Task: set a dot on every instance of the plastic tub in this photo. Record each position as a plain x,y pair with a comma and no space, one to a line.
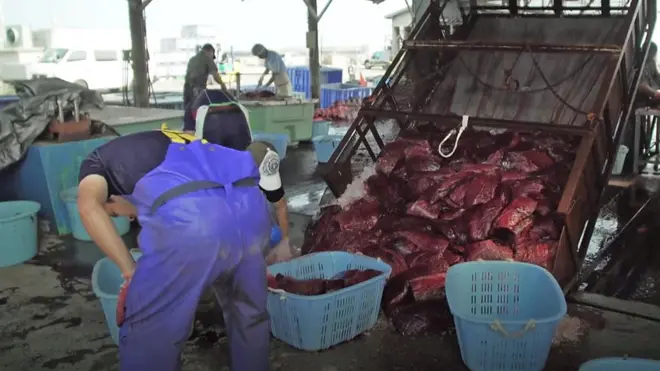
620,160
19,231
319,322
70,196
320,127
279,141
505,314
325,146
619,364
106,282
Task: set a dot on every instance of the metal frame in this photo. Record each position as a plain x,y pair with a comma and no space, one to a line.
613,105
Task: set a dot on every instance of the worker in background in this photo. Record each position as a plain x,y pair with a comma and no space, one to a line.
197,73
276,67
205,223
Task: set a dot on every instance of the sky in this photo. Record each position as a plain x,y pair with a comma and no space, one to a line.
274,23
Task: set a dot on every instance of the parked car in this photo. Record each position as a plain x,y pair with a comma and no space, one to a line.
380,59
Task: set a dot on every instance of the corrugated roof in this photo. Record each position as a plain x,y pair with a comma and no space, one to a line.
476,79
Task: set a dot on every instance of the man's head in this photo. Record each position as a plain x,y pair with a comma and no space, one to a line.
260,51
209,50
268,162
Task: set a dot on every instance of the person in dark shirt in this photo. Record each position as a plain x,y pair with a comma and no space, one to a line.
205,223
197,74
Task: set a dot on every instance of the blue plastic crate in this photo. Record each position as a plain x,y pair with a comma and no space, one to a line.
325,146
279,141
301,80
505,313
330,93
319,322
619,364
320,127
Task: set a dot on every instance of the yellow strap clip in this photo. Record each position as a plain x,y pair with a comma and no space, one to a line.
177,136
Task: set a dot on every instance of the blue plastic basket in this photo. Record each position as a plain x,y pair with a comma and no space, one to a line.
619,364
18,230
70,196
325,146
505,314
279,141
319,322
300,78
106,282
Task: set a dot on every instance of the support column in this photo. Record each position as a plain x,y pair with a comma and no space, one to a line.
138,53
396,33
418,8
313,45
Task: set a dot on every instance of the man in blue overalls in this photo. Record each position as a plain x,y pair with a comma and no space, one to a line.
205,221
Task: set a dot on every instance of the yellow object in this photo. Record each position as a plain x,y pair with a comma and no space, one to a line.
177,136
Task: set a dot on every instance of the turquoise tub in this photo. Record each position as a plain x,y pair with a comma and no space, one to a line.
70,197
18,228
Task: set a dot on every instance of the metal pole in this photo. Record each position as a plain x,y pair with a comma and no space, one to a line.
499,46
138,53
313,45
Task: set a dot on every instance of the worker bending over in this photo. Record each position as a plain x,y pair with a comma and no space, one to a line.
276,67
197,74
205,222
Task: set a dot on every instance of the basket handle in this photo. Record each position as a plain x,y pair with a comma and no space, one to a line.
497,327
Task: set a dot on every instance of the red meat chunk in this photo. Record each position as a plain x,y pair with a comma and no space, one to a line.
395,260
539,253
481,221
519,209
480,190
361,216
527,187
488,250
424,209
424,241
427,317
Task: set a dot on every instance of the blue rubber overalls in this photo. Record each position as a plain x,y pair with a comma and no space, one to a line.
204,222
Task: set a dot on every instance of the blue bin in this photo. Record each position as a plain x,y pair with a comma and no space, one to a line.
18,230
300,78
505,313
6,100
325,146
279,141
70,196
320,127
319,322
619,364
331,93
106,282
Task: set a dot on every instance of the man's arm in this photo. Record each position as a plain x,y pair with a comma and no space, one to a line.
213,71
92,197
281,211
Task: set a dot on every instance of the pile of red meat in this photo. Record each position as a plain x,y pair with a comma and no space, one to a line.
494,199
258,94
339,111
319,286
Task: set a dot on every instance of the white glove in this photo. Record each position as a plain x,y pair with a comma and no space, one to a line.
282,252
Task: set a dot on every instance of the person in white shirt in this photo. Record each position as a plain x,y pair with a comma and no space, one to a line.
276,67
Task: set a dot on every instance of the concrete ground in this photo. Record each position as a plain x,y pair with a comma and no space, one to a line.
51,320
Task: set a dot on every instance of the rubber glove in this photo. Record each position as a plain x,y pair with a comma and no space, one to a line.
121,301
282,252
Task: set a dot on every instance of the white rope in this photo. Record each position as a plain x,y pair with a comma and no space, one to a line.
458,132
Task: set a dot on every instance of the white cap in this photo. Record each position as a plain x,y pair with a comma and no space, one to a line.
269,165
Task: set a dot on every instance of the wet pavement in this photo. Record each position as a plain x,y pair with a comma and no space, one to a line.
51,320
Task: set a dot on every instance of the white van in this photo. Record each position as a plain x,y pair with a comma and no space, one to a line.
97,69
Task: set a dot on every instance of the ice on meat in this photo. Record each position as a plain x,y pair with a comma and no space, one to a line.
488,250
528,161
355,190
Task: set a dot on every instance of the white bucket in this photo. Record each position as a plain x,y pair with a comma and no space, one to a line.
620,160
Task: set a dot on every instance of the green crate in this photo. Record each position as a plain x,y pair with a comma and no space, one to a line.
294,119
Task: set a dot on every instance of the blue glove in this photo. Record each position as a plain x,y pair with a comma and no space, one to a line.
275,236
